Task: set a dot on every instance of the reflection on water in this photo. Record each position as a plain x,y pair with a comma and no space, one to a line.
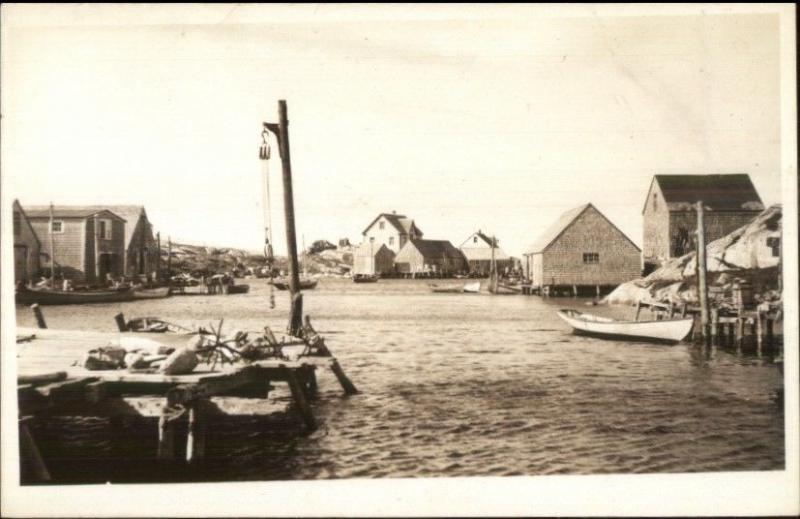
468,385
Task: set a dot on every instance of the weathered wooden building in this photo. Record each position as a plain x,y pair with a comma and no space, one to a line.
392,230
582,249
434,257
670,218
371,259
141,249
27,246
89,243
477,250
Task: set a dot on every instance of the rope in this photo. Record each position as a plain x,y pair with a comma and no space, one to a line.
264,154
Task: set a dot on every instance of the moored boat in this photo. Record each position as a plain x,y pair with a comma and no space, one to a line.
469,288
365,278
151,293
46,296
238,289
667,330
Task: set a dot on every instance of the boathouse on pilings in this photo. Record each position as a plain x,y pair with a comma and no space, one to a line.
89,243
670,218
477,250
581,253
373,259
27,247
429,258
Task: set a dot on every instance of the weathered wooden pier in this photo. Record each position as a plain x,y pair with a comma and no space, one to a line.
49,386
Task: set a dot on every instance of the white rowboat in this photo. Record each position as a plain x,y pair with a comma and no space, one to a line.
667,330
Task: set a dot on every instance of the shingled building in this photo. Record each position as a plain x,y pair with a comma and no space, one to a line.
670,217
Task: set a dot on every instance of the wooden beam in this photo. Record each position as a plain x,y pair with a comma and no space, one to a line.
298,395
44,378
347,385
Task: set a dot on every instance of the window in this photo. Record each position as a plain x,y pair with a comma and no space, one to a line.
655,200
17,224
591,257
775,244
104,229
381,225
475,239
57,227
391,240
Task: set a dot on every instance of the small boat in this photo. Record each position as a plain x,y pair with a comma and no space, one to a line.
667,330
469,288
365,278
305,283
151,293
238,289
46,296
473,288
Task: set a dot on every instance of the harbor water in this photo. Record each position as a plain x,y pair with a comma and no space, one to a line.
480,385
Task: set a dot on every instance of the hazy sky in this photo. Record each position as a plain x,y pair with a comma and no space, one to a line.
459,117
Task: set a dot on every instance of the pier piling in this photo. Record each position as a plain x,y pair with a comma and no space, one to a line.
37,313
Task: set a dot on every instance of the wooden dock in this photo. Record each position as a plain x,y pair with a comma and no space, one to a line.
50,384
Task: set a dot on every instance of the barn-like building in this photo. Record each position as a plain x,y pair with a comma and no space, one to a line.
582,251
430,257
670,218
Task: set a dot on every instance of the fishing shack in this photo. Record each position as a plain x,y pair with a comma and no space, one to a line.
430,257
477,250
583,251
85,243
670,218
372,259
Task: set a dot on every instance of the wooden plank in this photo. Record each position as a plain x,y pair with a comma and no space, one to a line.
44,378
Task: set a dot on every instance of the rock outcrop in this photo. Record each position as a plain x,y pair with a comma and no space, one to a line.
750,254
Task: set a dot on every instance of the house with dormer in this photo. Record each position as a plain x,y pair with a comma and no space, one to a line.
391,229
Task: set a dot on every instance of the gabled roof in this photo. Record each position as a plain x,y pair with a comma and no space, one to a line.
68,211
363,250
402,223
484,254
16,205
129,213
733,192
435,248
563,223
486,239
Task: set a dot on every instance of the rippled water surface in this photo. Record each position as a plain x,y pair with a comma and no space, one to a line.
468,385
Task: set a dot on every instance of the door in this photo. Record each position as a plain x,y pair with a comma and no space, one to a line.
21,263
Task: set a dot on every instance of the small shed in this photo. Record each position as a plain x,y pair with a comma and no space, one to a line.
430,257
582,249
370,259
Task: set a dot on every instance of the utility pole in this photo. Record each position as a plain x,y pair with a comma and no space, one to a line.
282,131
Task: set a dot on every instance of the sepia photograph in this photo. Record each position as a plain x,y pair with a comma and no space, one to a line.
384,259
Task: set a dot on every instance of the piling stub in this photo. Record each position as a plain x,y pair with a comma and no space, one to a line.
298,395
121,324
37,313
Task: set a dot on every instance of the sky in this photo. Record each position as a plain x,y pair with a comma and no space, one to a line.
462,118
